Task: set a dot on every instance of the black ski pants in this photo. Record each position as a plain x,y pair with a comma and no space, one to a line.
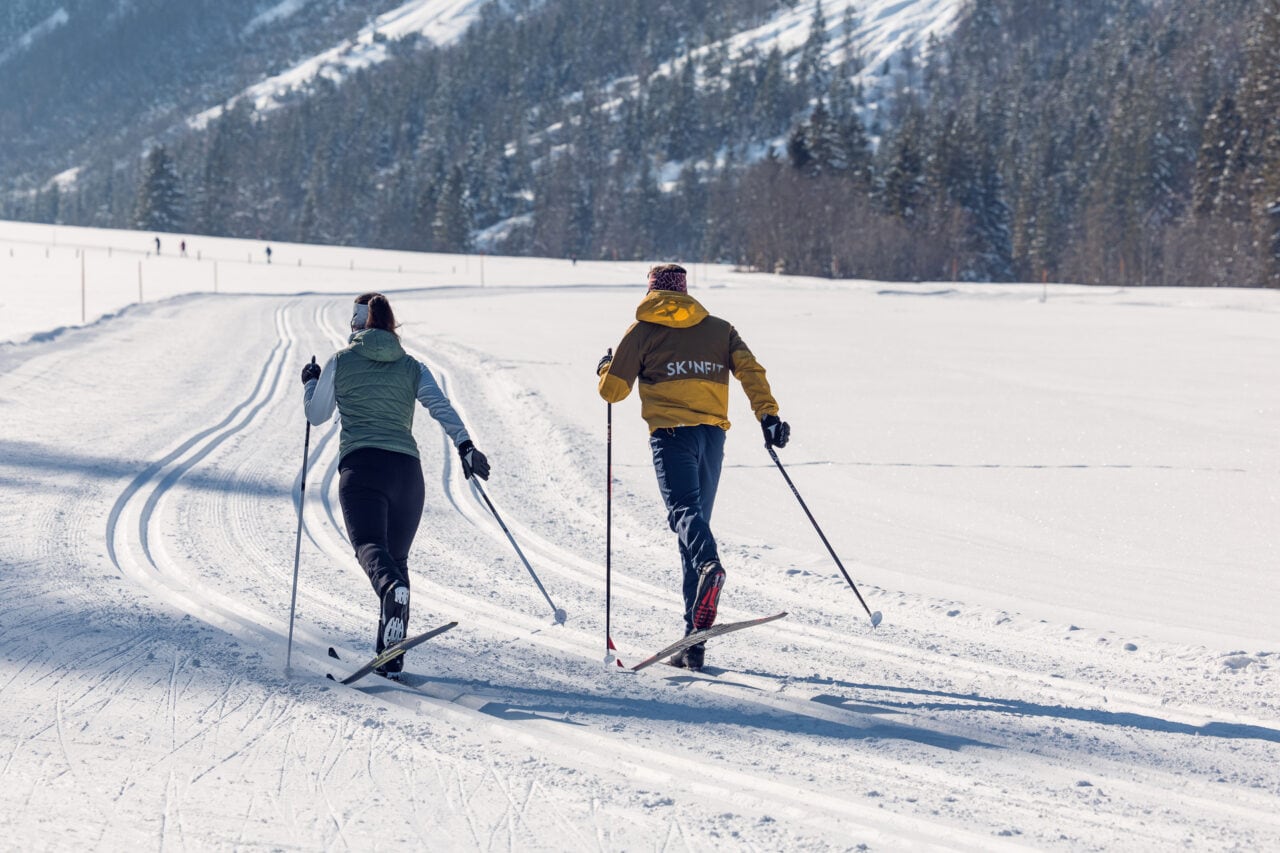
687,461
381,493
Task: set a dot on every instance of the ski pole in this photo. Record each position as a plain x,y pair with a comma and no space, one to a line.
559,613
609,647
297,547
875,617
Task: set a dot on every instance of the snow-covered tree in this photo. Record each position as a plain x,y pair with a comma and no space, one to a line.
160,196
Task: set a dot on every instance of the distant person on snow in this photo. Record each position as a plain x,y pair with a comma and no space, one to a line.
157,245
373,384
268,254
682,357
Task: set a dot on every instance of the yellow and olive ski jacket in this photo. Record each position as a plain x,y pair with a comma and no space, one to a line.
682,357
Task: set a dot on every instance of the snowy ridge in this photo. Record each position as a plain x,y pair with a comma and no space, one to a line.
439,21
1073,553
37,32
278,12
885,30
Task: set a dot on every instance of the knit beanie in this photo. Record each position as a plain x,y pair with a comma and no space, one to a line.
668,277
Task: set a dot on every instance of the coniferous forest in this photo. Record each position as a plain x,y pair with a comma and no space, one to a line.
1132,142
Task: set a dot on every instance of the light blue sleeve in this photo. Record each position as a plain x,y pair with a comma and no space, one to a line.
435,402
318,396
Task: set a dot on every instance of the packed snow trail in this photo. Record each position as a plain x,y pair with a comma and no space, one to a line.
148,469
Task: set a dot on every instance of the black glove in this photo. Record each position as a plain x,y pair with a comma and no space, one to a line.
777,432
604,363
310,372
473,461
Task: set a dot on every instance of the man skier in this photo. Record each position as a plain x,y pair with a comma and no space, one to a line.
682,357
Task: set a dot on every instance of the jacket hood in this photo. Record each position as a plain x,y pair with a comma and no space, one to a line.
376,345
669,308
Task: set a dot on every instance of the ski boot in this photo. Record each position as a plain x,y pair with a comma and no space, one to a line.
393,624
707,599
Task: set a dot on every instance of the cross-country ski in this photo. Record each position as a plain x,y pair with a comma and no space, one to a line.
702,636
390,654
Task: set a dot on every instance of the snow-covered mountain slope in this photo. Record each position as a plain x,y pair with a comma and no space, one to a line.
438,21
1064,506
32,36
885,30
88,79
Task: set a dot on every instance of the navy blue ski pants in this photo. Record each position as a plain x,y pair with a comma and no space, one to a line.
381,493
687,461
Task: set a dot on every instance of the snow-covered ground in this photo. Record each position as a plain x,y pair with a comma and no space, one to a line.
1066,509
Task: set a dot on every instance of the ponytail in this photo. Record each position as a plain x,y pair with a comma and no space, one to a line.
380,314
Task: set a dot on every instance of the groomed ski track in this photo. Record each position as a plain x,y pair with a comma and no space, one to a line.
148,571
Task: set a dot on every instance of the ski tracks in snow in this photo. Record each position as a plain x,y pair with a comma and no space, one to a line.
894,743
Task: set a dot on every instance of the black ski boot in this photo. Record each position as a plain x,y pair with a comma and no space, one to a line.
691,658
393,625
710,582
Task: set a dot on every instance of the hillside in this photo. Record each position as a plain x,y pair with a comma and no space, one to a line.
421,149
84,78
1102,141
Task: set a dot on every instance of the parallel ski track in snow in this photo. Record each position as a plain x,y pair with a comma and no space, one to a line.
129,534
134,547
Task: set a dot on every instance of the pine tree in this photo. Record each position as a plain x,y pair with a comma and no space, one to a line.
1260,119
798,151
812,70
220,202
901,192
159,206
452,225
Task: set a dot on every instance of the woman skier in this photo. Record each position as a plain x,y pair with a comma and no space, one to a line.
373,384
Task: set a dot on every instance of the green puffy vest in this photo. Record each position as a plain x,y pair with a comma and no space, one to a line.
376,386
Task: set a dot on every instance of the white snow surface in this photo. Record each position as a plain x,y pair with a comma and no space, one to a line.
280,11
1064,500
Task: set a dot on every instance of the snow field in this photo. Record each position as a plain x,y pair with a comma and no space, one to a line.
1025,489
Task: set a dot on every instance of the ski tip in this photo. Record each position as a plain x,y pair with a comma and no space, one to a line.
333,653
329,675
875,619
561,616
